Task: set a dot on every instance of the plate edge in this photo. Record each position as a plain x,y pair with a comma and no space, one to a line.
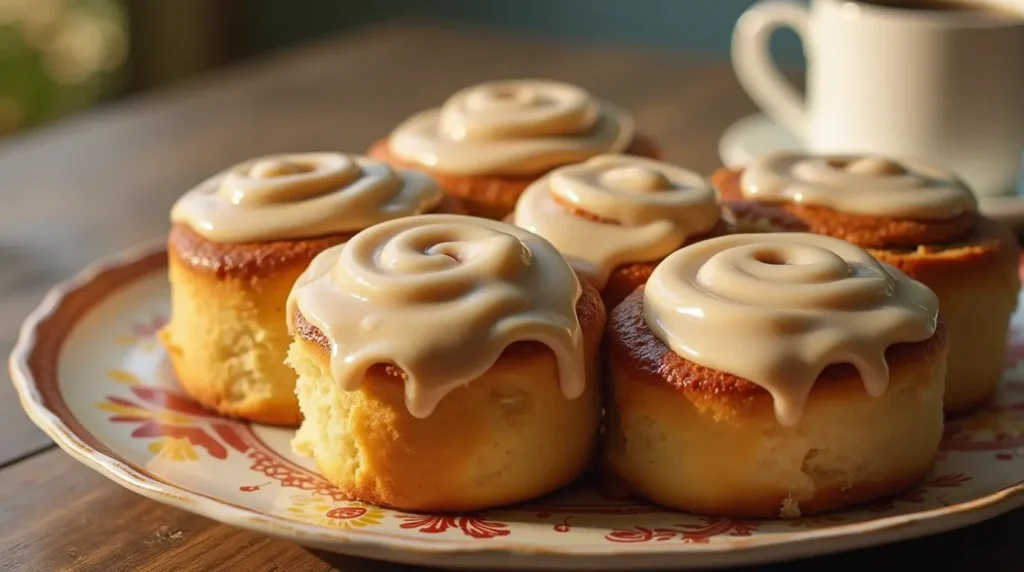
895,528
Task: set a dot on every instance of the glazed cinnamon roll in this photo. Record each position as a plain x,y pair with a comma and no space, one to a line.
768,375
237,243
488,142
446,363
912,215
615,216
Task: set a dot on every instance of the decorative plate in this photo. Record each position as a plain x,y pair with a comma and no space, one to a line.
92,375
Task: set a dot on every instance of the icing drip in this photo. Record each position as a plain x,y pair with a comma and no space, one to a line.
647,209
777,309
441,297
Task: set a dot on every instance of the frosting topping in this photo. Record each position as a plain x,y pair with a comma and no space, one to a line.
513,127
441,297
302,196
777,309
647,209
861,185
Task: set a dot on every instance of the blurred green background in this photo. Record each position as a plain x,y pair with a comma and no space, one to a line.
62,56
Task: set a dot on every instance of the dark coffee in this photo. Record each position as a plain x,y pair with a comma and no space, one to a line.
982,8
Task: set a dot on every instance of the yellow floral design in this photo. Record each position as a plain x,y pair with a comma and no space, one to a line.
174,449
159,415
145,344
125,340
143,334
123,377
324,512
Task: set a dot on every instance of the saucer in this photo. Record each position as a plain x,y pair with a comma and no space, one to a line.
755,134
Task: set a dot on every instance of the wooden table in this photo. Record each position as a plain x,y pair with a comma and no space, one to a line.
104,181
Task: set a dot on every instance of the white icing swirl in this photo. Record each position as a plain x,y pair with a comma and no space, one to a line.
777,309
302,196
861,185
515,127
441,297
654,207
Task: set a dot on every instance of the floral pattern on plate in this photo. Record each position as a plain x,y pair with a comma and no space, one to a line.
108,396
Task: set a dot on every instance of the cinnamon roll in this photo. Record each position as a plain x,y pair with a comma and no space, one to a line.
237,243
912,215
488,142
446,363
614,217
773,375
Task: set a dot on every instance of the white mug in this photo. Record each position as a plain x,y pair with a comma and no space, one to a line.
943,85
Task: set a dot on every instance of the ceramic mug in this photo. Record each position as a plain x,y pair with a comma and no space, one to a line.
945,85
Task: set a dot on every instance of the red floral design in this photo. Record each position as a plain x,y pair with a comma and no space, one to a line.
702,533
1017,453
564,526
570,511
346,512
1000,428
271,465
252,488
159,399
917,494
143,333
164,413
149,328
469,525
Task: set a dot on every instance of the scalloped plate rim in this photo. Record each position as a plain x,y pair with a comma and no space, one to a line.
437,551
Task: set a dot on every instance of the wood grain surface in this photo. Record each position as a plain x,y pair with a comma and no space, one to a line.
104,181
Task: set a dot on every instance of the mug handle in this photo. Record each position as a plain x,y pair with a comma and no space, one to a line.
758,74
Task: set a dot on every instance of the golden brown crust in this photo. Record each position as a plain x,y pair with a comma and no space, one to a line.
590,311
864,231
255,259
244,259
487,196
990,244
630,341
937,253
625,278
977,282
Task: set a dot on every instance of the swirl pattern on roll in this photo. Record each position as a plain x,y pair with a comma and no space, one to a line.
441,297
861,185
304,195
646,210
514,127
777,309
